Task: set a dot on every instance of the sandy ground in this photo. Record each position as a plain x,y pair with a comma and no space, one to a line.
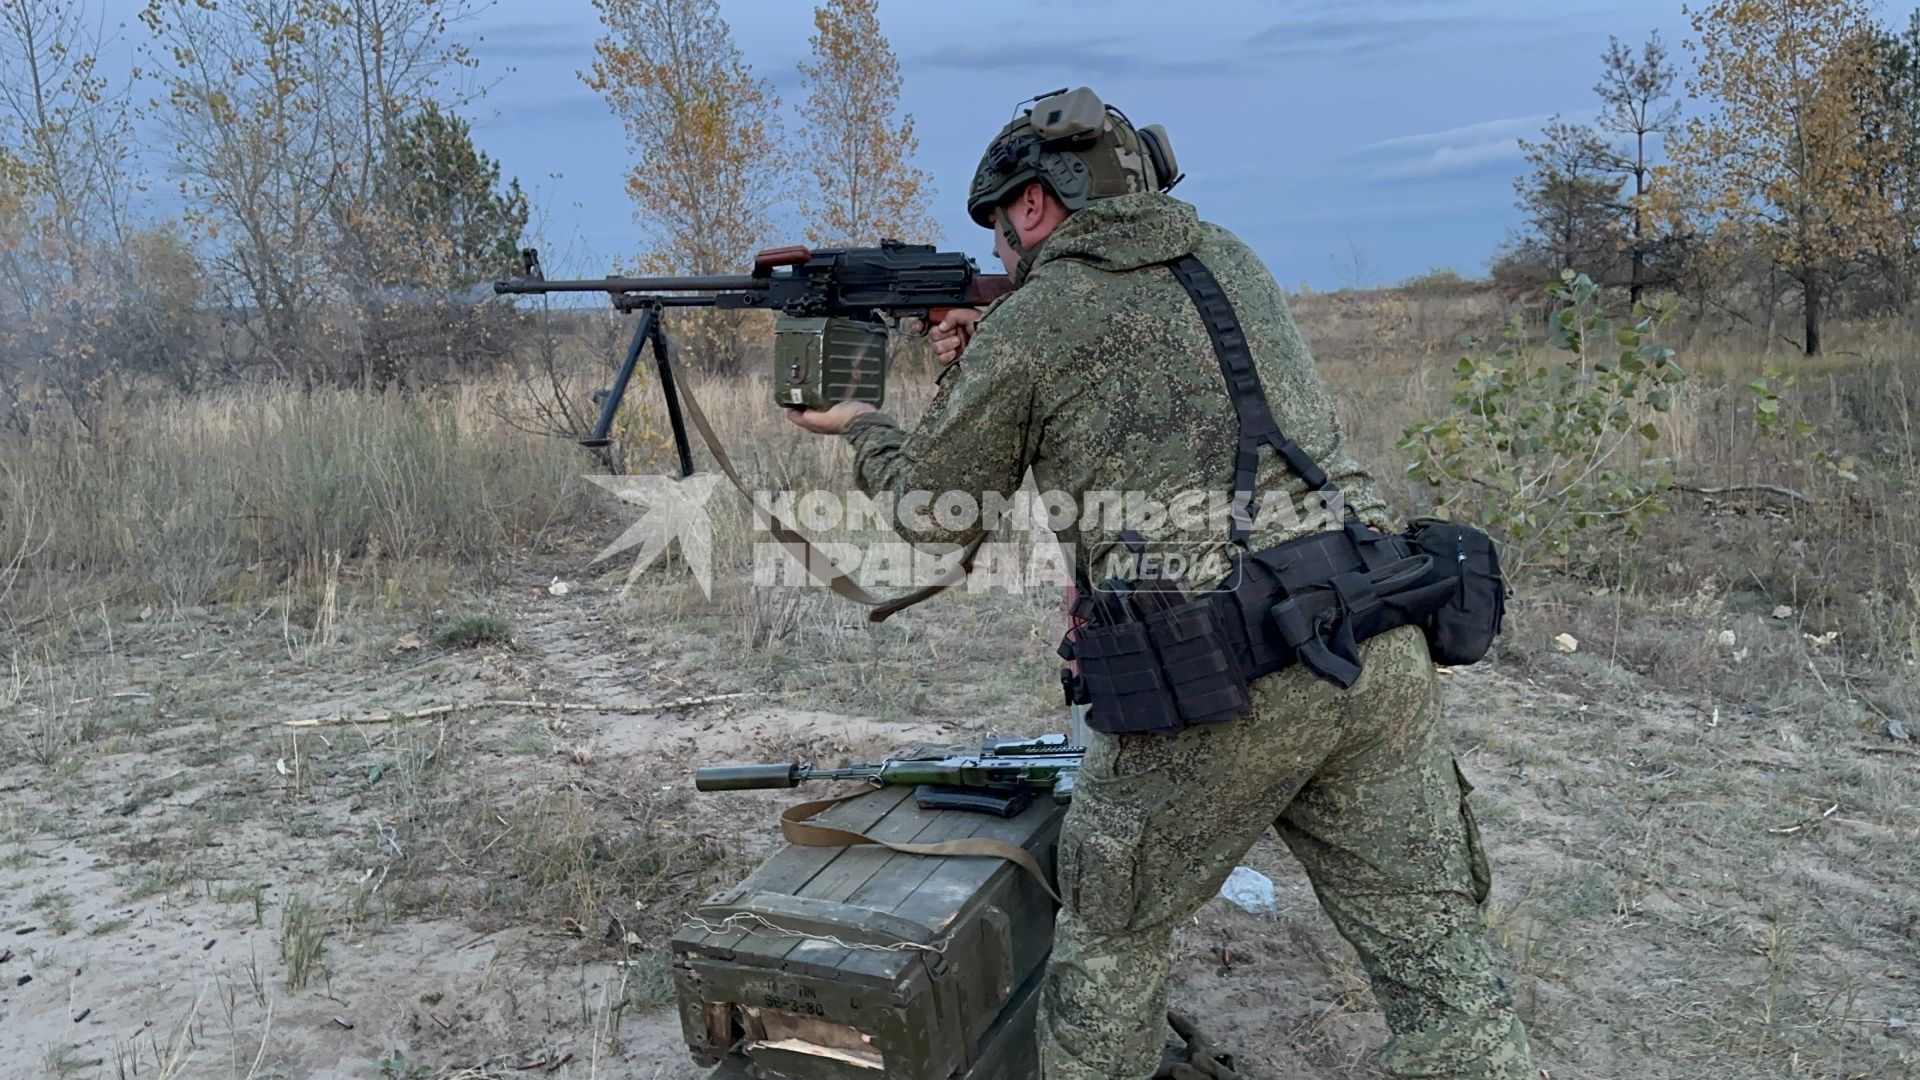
147,881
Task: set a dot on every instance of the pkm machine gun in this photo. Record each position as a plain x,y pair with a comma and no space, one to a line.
830,346
833,307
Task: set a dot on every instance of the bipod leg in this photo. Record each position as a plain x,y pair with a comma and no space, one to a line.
663,356
600,440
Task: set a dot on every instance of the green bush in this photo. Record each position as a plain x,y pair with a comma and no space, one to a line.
1439,281
467,631
1538,448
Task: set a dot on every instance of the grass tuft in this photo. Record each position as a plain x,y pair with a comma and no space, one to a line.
303,940
467,631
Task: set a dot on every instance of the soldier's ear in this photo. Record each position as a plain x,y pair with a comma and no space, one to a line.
1030,206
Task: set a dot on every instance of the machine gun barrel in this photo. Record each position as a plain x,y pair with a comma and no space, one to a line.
834,307
696,283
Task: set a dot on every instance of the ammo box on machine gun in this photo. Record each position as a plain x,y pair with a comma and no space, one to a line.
867,964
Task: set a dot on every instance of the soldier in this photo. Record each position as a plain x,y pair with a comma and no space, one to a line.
1098,374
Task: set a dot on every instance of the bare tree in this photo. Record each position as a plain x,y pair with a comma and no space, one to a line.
385,61
63,140
69,128
277,110
389,58
249,145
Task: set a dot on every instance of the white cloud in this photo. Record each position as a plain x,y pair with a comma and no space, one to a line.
1460,149
1512,126
1450,159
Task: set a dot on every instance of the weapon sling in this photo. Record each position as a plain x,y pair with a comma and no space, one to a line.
1381,582
798,828
817,563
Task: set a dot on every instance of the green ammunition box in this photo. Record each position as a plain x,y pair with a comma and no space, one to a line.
866,964
819,362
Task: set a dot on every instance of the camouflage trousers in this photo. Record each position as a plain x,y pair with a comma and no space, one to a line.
1363,790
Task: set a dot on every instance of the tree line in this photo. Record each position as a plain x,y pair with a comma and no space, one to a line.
1788,195
321,213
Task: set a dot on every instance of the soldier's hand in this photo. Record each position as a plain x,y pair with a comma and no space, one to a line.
952,333
829,421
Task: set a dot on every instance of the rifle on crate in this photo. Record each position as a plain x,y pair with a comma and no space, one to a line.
1001,778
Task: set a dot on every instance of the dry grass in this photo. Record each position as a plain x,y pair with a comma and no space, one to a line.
190,501
1674,894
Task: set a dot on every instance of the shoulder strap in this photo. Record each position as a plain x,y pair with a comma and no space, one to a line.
1249,400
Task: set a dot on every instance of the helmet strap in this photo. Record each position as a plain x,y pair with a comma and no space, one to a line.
1011,235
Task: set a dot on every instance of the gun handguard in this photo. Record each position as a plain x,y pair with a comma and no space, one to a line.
745,777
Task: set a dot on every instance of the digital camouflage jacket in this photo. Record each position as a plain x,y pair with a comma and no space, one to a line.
1098,375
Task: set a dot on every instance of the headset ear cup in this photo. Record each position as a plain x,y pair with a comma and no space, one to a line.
1159,147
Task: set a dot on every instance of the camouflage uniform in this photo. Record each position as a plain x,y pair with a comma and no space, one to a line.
1097,374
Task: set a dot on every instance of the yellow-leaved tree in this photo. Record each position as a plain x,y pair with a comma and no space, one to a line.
1778,161
859,149
708,166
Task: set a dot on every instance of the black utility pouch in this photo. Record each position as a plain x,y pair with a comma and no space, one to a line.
1462,630
1324,623
1198,663
1120,674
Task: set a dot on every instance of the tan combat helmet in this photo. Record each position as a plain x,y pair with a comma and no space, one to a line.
1080,148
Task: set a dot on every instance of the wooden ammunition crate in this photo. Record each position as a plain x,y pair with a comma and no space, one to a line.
867,964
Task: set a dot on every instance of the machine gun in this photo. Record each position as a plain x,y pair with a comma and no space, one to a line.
1000,779
829,346
830,338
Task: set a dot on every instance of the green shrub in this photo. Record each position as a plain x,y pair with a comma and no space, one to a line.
1439,281
1539,449
466,631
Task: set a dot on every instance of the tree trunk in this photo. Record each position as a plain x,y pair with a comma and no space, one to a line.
1811,288
1772,308
1639,201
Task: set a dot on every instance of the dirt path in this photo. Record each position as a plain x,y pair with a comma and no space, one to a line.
152,898
188,887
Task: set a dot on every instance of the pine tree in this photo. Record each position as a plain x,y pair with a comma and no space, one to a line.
1636,94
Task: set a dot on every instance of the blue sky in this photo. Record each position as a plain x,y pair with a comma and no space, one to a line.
1314,129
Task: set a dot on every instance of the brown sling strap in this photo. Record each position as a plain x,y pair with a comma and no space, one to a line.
796,825
818,564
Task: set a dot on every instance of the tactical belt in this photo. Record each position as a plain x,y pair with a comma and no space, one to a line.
1155,659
